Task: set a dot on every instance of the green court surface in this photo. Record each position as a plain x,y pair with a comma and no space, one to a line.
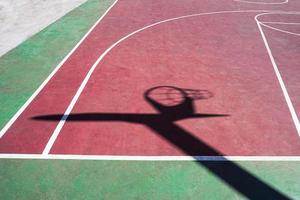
62,179
27,66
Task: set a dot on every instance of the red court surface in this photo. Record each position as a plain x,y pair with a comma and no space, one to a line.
208,45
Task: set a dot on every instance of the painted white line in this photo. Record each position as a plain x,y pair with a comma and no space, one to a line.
278,75
280,30
20,111
290,23
85,81
266,24
148,158
263,3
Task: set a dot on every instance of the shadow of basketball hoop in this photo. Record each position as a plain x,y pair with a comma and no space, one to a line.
174,104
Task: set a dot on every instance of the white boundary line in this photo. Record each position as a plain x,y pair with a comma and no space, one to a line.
20,111
263,3
148,158
85,81
281,82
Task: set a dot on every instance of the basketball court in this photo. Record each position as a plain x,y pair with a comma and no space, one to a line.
152,81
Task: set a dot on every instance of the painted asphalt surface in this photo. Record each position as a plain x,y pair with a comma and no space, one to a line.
170,191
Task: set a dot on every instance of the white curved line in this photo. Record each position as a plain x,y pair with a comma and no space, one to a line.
289,23
280,30
281,82
263,3
277,29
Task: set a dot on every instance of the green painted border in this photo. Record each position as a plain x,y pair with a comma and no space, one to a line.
24,68
71,179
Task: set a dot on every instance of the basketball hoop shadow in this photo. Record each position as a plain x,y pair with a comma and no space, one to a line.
178,104
175,103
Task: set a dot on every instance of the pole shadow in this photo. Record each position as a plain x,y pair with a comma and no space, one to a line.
173,104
